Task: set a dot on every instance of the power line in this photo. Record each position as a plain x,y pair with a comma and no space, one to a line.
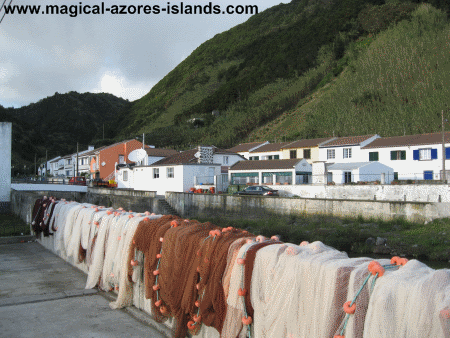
5,9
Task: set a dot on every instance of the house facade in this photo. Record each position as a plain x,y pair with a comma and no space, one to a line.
307,149
201,167
412,157
103,160
244,149
345,149
269,151
353,172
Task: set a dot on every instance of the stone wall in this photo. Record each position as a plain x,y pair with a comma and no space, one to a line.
205,205
385,192
22,202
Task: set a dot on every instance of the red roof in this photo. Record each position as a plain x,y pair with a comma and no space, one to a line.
348,141
408,140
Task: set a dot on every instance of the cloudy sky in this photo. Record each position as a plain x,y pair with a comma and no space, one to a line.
120,54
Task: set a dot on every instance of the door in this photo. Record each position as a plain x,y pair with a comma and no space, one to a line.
211,172
347,176
428,175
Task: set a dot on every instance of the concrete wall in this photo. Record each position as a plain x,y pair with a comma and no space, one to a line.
203,205
407,192
5,165
22,202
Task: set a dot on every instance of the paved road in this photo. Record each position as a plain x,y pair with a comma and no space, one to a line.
43,296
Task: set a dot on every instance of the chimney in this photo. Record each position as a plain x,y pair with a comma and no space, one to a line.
205,155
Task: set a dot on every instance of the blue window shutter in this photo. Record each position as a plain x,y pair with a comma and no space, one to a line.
447,153
416,154
434,154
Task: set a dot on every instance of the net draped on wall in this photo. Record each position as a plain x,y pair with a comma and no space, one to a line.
225,282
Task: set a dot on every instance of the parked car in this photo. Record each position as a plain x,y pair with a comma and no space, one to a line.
258,190
78,180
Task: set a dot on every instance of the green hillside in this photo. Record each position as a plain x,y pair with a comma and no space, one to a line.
305,69
55,124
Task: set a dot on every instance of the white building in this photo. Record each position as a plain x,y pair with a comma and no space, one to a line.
203,167
244,149
271,172
414,157
342,173
345,149
5,166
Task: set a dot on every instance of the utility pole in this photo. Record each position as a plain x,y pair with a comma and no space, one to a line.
103,131
46,160
443,150
143,141
77,160
35,170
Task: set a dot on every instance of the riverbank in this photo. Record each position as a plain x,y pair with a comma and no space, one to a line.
358,236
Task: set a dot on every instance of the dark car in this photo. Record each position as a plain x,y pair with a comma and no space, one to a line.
258,190
79,180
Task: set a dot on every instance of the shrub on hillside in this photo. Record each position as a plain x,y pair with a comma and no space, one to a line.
373,19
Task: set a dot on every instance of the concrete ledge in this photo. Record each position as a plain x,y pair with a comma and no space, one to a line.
17,239
141,316
46,297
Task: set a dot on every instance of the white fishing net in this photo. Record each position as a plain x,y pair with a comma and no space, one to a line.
295,291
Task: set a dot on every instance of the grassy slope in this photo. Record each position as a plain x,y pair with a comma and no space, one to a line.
223,73
395,83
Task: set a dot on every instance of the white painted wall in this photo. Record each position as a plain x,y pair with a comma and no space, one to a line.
5,164
266,154
410,168
358,155
121,182
232,159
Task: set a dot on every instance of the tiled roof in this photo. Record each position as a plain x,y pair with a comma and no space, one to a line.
160,152
308,143
265,164
347,141
245,147
409,140
187,157
270,147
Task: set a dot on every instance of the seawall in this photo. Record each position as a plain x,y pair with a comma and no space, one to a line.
255,207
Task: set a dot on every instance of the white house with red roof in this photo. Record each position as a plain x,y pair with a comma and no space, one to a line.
202,167
412,157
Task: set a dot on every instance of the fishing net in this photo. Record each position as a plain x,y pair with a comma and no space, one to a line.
410,301
213,281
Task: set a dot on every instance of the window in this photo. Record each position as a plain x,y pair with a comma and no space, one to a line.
396,175
125,175
69,161
270,157
347,152
398,155
307,154
225,160
373,156
254,158
170,172
347,176
276,157
425,154
293,154
331,154
155,172
121,159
